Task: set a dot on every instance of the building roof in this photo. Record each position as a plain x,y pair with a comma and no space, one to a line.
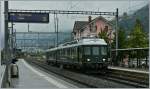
79,24
101,18
82,24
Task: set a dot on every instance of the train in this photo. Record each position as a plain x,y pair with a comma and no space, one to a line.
85,54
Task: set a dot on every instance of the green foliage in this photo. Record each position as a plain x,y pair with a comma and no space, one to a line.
103,35
137,38
121,39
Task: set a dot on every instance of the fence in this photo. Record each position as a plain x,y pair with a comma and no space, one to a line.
131,57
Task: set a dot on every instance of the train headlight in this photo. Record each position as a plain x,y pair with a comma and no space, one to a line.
104,59
88,59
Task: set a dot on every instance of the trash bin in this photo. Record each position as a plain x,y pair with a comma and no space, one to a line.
14,69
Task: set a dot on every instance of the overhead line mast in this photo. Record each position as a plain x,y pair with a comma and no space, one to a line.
65,12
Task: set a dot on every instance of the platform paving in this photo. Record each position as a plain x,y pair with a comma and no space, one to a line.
31,77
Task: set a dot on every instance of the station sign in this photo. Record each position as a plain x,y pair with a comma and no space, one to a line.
28,17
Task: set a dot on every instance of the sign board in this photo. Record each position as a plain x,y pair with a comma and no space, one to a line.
28,17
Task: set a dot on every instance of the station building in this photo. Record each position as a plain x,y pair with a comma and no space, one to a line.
92,28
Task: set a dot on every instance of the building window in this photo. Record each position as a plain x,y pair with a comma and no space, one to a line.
106,29
95,27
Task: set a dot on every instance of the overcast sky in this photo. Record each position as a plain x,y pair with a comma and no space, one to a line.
66,22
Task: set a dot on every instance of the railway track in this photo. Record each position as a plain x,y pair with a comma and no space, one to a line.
97,80
139,78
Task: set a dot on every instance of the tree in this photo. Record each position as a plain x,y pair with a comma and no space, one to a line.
121,39
103,35
138,38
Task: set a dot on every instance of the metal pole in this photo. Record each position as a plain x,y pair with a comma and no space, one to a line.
38,41
15,44
54,26
54,42
6,46
12,42
56,37
28,27
6,29
24,41
55,22
116,31
57,28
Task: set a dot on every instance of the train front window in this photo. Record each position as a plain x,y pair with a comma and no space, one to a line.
103,50
87,51
95,50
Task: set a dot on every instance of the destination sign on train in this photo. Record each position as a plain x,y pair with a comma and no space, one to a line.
28,17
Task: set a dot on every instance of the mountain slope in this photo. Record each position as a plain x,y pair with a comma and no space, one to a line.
128,21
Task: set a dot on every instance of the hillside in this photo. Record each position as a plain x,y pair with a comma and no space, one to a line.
127,21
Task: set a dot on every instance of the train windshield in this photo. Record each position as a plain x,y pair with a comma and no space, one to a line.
87,50
95,50
91,50
103,50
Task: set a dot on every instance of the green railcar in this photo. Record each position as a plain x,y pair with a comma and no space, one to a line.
86,54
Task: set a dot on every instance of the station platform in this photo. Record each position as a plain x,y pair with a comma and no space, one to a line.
31,77
129,69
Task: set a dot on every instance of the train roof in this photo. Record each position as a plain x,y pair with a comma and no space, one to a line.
85,41
91,41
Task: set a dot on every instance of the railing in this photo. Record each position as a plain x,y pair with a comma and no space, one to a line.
4,76
131,57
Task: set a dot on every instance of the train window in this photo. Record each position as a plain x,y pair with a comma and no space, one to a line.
60,52
74,51
87,50
66,52
80,52
71,51
103,50
95,50
63,52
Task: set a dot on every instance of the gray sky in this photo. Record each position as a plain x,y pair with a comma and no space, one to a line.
66,22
